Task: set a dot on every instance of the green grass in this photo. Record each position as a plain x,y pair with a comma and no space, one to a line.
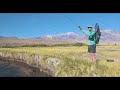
75,60
13,45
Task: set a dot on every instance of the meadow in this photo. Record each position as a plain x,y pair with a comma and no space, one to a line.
75,62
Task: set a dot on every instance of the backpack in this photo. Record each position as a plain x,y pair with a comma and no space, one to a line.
97,33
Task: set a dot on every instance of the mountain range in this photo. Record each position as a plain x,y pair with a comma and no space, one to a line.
107,37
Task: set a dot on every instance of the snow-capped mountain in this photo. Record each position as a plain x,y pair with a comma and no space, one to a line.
106,36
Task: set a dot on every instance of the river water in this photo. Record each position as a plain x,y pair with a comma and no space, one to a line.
16,69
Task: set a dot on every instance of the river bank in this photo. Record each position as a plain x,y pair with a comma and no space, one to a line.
66,61
44,64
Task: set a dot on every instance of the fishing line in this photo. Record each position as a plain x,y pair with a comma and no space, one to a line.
73,22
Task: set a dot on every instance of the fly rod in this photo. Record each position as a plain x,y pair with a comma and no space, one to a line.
73,22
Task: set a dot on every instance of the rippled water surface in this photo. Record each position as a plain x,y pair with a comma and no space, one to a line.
14,69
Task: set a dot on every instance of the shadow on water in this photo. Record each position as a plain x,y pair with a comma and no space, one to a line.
16,69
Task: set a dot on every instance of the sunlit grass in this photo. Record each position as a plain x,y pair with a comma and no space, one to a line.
47,50
75,60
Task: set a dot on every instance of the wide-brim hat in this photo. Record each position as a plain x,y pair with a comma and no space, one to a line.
89,26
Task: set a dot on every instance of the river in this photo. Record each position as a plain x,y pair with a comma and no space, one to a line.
16,69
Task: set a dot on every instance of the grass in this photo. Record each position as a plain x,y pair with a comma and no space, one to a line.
13,45
75,60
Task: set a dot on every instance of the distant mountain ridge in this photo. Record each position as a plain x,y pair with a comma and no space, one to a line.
107,36
8,37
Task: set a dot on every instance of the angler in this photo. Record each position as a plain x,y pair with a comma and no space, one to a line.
93,39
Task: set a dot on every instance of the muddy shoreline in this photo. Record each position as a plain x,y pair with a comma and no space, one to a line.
32,71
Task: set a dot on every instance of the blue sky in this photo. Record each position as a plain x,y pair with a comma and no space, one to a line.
27,25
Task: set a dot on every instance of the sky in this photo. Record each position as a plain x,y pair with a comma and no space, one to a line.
28,25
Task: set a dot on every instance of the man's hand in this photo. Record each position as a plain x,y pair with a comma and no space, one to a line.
79,27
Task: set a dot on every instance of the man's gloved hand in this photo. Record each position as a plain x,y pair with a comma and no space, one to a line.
79,27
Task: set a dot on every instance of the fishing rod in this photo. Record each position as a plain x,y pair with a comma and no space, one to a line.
97,29
73,22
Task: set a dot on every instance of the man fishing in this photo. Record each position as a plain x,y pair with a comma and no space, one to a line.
93,39
91,42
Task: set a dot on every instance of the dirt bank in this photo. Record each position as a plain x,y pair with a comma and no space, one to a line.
39,63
